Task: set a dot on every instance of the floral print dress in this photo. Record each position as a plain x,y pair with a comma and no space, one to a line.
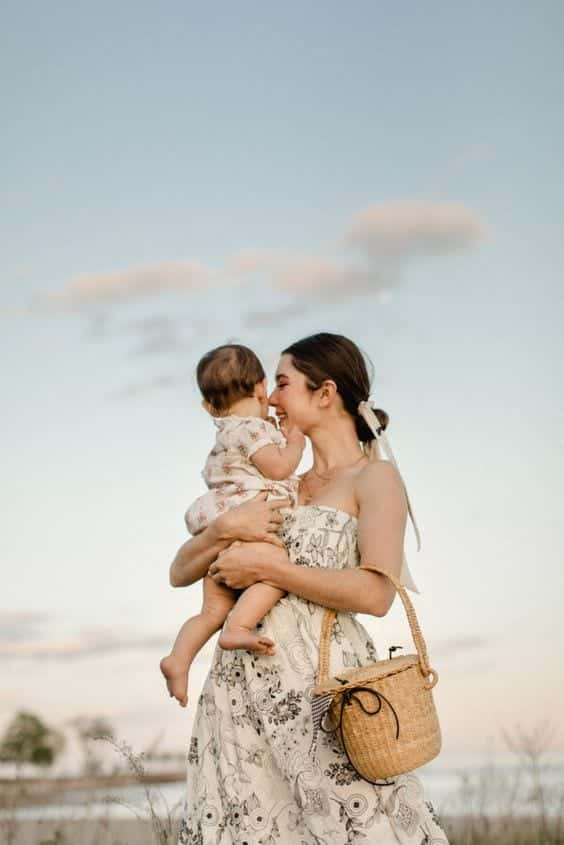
251,778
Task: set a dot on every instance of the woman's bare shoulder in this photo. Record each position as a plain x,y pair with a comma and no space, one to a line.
376,477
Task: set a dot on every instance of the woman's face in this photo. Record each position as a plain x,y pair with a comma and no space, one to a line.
291,398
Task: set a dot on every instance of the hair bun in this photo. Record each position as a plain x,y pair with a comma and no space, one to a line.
383,417
364,431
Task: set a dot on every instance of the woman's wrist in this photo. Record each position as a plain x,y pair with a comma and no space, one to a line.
220,529
271,567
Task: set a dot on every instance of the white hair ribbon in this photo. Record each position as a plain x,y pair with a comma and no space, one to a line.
366,411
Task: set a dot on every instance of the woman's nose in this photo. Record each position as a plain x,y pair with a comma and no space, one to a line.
272,397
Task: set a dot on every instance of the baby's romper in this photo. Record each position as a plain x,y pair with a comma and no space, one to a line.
231,476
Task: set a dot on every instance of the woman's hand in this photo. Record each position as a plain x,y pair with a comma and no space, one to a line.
255,521
243,564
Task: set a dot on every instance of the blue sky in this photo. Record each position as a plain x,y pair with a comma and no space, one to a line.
152,159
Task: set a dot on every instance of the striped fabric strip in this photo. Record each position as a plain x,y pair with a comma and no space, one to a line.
320,704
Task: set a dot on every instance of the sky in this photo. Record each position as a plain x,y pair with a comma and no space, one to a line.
177,176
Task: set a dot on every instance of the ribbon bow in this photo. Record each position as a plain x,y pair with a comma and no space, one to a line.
321,704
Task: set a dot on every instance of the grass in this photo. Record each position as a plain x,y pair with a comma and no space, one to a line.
528,811
164,829
515,808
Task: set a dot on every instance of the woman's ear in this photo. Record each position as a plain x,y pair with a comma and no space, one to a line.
327,393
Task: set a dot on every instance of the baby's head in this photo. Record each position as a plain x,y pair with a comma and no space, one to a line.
232,380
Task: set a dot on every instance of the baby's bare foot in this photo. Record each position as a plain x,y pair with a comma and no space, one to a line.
176,676
234,636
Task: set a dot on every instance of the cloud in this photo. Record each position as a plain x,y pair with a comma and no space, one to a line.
383,236
124,285
161,382
284,270
367,258
455,646
472,155
274,316
19,625
89,642
402,230
156,335
292,272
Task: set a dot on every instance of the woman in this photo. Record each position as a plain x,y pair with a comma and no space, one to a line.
251,778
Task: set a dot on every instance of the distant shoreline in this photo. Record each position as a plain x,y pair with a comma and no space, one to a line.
29,792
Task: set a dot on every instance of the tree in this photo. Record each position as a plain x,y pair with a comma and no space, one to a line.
29,740
89,728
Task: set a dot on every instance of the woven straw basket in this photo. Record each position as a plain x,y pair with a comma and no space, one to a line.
384,712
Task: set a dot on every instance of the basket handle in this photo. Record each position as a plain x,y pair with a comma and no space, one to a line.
327,626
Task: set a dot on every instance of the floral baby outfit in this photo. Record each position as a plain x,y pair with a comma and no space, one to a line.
250,777
231,476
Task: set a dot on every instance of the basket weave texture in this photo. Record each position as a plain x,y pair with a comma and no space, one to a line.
385,711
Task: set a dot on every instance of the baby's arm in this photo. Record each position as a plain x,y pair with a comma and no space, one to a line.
277,462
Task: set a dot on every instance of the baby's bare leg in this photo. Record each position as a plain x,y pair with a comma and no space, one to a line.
218,601
251,606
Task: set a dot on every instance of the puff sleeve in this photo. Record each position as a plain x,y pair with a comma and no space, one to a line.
253,434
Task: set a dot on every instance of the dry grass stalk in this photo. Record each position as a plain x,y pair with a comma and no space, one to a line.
516,808
163,828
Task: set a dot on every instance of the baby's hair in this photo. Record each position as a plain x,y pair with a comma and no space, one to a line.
228,373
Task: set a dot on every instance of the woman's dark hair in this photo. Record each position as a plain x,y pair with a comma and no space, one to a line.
332,356
228,373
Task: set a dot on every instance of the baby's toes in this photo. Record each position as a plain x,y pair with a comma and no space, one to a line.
266,641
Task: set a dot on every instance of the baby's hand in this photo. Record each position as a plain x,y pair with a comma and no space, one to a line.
275,540
295,437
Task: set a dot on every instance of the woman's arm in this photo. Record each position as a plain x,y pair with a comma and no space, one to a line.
381,527
243,564
351,590
193,558
254,520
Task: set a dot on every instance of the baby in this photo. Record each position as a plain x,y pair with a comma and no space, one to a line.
249,456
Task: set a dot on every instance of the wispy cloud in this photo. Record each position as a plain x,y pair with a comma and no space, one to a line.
455,646
156,335
470,156
403,230
124,285
89,642
274,316
153,335
307,273
21,625
165,381
383,236
368,257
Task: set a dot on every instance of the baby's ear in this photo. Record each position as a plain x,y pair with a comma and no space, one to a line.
260,390
209,408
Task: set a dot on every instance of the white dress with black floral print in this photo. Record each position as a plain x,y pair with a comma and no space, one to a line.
251,778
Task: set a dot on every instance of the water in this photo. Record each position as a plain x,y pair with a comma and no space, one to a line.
456,785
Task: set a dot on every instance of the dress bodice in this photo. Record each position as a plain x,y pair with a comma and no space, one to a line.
319,535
